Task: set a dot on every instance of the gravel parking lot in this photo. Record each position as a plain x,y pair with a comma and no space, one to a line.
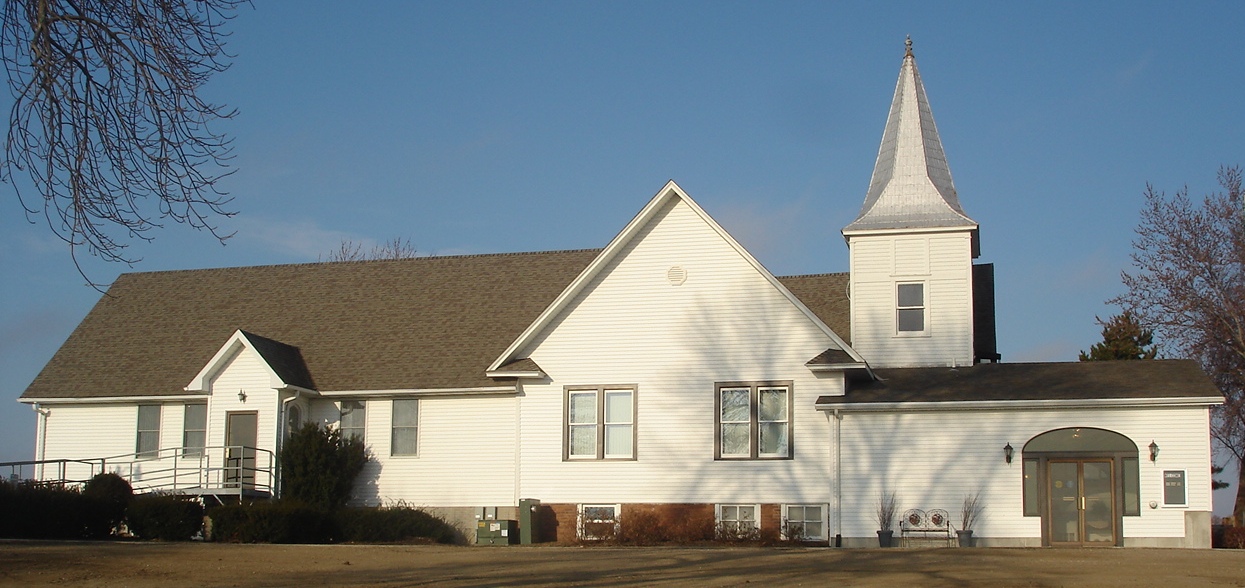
35,563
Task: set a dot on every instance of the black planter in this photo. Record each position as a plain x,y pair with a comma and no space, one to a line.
886,538
965,538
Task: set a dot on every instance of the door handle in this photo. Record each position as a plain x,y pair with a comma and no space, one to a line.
1082,503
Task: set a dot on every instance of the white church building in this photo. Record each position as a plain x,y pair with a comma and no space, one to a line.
668,371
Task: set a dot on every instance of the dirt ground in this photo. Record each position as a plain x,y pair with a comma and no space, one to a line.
36,563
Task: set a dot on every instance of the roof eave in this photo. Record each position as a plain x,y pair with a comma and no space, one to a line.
417,392
114,399
1059,403
536,374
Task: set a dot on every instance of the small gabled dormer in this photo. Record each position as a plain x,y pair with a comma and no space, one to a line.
912,245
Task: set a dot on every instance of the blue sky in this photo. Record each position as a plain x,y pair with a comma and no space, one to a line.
477,127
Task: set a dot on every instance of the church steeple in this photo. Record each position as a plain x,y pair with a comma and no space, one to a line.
911,186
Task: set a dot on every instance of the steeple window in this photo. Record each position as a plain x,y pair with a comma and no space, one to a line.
910,312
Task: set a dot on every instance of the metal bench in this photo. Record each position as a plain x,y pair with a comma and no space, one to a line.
919,524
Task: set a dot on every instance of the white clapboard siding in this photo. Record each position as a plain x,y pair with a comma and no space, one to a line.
245,371
726,322
465,457
91,431
107,432
943,262
933,459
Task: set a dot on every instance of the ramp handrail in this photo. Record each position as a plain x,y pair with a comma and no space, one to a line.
229,468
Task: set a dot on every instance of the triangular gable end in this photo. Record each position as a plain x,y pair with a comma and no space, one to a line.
238,343
670,191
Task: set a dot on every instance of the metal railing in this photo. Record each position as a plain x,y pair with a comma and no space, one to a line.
216,470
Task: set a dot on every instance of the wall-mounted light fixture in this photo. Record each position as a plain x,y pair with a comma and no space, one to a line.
1154,451
1007,452
241,395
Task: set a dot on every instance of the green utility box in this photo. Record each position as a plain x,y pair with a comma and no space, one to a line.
529,521
496,532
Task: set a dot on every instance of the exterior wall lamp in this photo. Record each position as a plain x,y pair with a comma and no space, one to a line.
241,395
1007,453
1154,451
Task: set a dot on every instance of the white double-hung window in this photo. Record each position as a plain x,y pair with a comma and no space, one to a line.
910,308
405,437
753,420
353,423
599,423
147,444
194,430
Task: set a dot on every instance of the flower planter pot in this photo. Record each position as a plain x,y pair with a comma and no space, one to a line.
965,538
886,538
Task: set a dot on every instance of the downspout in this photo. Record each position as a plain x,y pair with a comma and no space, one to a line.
283,414
838,479
41,435
518,443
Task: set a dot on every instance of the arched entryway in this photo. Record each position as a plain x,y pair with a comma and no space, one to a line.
1081,481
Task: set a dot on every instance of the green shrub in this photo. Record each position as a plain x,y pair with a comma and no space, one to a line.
112,494
271,522
319,466
36,511
392,524
166,517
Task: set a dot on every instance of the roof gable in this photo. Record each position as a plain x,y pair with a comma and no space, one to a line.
283,362
635,230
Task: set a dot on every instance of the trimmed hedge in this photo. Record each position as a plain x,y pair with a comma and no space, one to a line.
395,524
166,517
271,522
292,522
35,511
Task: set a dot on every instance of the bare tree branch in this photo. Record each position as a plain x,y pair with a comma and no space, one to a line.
396,248
108,135
1188,284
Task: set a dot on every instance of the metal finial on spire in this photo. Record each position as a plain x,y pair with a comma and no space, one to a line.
908,46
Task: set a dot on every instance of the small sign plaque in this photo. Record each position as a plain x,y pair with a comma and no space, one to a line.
1174,488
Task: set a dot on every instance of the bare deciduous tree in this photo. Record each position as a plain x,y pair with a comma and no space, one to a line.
396,248
1189,285
108,134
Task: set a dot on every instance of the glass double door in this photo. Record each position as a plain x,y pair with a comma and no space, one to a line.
1082,502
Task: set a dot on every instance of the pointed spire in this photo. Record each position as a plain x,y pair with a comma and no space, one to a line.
911,186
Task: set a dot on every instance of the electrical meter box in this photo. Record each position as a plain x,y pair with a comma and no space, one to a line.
529,521
497,532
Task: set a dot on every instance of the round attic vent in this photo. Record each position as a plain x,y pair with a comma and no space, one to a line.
677,275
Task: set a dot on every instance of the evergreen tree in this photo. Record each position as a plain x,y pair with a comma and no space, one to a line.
319,466
1122,338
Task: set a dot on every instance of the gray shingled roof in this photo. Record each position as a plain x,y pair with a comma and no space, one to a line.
1033,381
826,296
285,360
435,322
